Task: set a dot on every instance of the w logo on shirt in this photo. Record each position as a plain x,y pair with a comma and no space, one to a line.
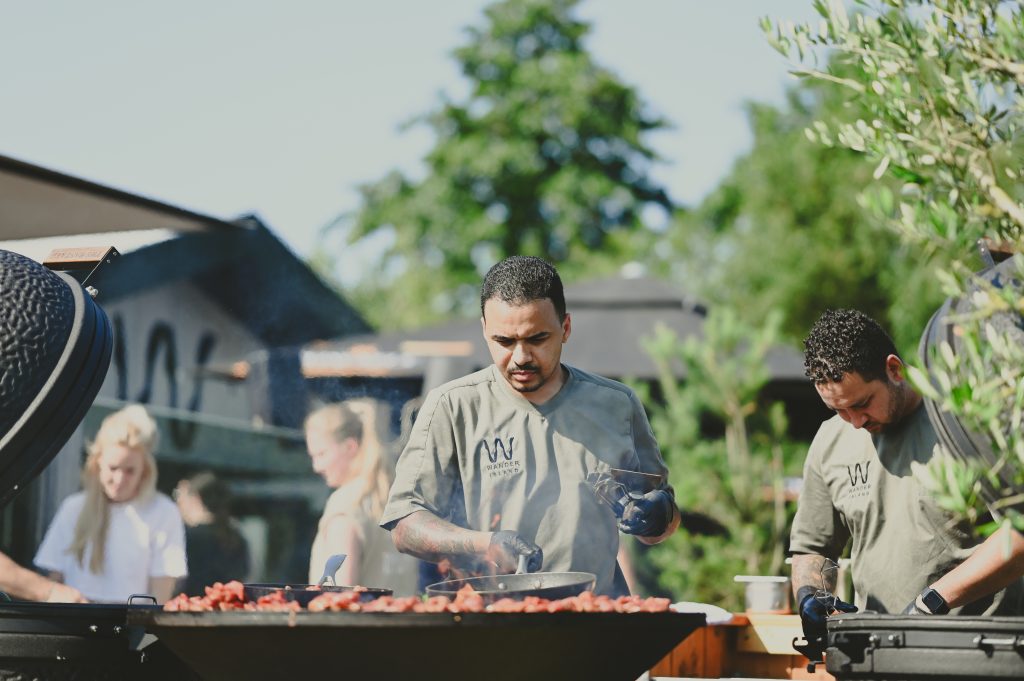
857,474
499,448
502,457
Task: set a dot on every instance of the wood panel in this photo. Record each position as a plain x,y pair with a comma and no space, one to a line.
752,645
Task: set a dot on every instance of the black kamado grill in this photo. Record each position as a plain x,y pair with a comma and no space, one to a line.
55,347
956,437
942,648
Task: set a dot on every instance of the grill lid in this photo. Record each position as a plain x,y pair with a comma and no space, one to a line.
954,435
55,347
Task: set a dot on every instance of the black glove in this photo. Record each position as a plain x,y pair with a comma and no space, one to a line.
648,516
813,616
506,547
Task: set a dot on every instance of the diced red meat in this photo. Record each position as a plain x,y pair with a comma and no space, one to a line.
231,596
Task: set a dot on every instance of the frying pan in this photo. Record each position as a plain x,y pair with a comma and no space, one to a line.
304,593
551,585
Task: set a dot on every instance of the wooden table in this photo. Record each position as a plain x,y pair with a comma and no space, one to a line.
751,645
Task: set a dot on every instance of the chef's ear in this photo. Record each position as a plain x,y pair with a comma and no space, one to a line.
894,369
566,327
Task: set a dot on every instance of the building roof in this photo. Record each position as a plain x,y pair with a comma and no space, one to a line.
37,202
610,320
250,273
240,264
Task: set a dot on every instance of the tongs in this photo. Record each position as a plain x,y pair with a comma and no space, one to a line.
616,494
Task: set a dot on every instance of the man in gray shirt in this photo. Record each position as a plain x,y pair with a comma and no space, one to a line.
861,483
497,463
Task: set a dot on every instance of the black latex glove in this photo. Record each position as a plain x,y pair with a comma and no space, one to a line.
648,516
814,615
506,547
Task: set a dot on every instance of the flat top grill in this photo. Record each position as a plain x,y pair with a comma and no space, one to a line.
239,645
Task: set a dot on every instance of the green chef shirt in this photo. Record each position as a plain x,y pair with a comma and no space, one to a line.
861,488
484,457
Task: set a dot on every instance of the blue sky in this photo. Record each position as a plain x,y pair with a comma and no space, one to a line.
283,109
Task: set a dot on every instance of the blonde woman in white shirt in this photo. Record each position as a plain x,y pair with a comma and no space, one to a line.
118,536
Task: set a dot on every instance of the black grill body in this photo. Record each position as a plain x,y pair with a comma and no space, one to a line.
87,642
920,648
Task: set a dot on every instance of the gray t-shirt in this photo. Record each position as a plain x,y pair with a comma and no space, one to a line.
484,457
861,488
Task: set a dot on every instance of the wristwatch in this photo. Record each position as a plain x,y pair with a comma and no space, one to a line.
934,602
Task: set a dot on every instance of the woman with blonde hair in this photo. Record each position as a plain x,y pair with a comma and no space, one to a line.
118,536
346,451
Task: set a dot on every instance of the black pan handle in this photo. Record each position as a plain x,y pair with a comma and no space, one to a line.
143,597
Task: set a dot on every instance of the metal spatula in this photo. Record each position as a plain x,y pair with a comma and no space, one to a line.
331,566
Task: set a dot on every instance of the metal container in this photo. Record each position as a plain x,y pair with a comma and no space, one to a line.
764,593
919,648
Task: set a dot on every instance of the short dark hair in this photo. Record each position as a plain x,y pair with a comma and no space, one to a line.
212,491
846,341
520,279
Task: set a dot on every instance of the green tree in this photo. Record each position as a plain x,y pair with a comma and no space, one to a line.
786,232
737,478
942,85
545,157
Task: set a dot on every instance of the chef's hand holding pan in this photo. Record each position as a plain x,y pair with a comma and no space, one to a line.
649,515
506,547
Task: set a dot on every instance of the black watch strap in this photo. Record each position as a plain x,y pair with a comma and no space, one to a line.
934,601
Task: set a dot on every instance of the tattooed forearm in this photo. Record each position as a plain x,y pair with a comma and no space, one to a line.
807,572
424,535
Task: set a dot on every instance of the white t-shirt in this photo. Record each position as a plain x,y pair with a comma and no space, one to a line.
144,539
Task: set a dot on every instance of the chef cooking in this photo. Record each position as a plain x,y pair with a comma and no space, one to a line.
496,468
861,487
